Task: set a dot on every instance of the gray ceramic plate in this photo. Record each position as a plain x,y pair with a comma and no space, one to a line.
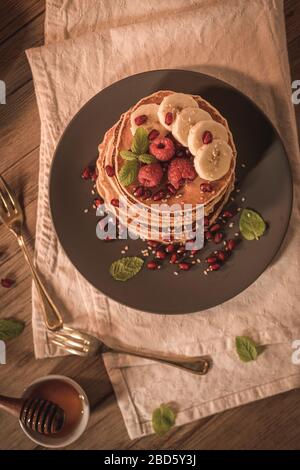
265,182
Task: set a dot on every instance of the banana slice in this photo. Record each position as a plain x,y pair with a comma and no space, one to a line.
186,119
213,160
197,134
146,116
171,105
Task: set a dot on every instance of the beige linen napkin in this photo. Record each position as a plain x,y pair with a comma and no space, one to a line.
91,44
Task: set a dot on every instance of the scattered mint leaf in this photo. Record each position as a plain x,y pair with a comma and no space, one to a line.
252,225
10,329
127,155
163,418
147,158
246,348
125,268
140,142
128,172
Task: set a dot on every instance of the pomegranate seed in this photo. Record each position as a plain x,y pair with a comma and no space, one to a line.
147,194
160,254
215,267
110,171
208,235
115,202
86,173
152,243
230,244
159,195
206,221
207,137
206,187
98,201
170,248
152,265
139,120
184,266
94,176
139,191
218,237
227,215
211,259
173,258
169,118
7,283
153,134
215,228
171,189
194,252
221,255
108,239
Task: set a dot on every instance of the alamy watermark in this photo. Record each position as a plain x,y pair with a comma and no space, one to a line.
2,92
296,93
2,352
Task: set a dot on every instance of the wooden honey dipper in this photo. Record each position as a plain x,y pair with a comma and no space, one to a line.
35,414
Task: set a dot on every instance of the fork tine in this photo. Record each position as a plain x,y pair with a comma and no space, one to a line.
75,351
66,340
4,203
9,193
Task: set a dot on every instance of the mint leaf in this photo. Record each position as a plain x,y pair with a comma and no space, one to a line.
252,225
127,155
147,158
140,142
128,173
125,268
163,418
10,329
246,348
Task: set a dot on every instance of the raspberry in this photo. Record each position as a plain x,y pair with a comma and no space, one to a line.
162,148
150,175
181,169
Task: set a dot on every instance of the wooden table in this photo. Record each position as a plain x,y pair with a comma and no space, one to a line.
273,423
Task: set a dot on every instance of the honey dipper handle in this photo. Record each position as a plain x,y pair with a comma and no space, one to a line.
11,405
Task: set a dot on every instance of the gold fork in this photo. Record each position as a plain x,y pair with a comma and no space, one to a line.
66,338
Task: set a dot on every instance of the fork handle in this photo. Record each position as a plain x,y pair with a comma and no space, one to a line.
195,364
52,316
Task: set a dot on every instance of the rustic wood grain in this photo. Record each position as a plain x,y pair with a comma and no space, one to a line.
273,423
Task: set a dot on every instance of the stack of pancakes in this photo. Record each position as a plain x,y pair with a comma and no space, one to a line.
150,219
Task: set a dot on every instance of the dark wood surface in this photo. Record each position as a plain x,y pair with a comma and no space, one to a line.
272,423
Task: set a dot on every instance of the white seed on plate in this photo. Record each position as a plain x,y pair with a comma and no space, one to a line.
176,273
243,165
243,199
85,211
231,224
205,272
236,234
198,260
239,209
123,252
237,190
126,248
232,199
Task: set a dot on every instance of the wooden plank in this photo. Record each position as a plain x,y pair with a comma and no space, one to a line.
16,14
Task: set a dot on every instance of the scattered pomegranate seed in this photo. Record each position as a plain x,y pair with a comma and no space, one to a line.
169,118
184,266
94,175
194,252
115,202
152,243
230,244
139,120
218,237
98,201
170,248
139,191
211,259
110,171
221,255
207,137
227,215
152,265
159,195
160,254
215,228
171,189
208,235
215,267
153,134
86,173
7,283
206,187
173,258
